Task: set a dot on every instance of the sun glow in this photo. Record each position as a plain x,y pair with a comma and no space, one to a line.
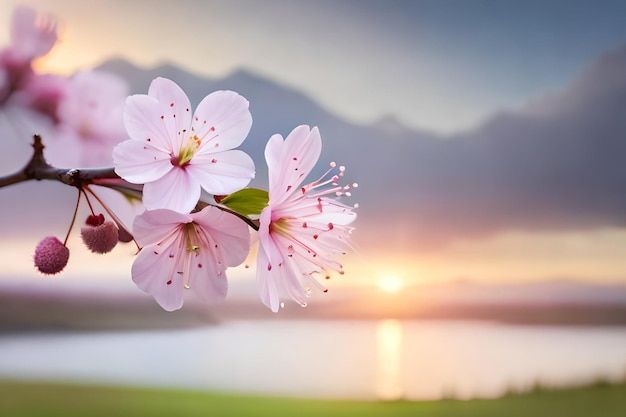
391,284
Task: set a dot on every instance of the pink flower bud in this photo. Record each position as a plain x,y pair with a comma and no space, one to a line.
51,255
94,220
100,239
124,235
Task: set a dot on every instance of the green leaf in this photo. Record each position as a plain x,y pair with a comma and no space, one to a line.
249,201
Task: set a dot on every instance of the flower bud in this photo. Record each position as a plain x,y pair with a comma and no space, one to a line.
95,220
101,238
51,255
124,235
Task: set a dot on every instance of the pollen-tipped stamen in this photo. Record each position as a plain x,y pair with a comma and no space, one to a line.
187,152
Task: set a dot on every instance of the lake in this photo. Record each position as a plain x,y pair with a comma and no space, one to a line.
331,359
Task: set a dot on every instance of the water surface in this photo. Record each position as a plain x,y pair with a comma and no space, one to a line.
350,359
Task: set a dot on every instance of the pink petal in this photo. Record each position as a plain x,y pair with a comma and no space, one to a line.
268,290
154,272
280,279
273,154
276,272
177,190
265,219
140,162
207,278
153,226
32,36
298,155
224,172
222,120
89,113
323,210
177,105
46,93
338,216
283,269
228,232
142,118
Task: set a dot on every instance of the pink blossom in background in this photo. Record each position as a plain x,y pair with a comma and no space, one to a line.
176,153
302,231
42,94
32,36
89,119
190,251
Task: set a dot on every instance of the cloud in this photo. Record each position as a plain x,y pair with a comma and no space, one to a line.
559,163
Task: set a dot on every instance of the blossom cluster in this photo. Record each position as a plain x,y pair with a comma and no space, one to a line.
81,115
196,214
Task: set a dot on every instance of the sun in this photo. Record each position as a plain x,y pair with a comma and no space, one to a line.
391,284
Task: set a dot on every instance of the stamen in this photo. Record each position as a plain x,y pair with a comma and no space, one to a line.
192,238
188,150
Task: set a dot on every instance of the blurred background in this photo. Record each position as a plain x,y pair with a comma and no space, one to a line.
488,139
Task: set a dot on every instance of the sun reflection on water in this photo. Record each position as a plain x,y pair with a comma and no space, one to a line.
389,336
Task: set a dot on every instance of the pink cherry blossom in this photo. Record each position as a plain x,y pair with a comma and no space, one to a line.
42,93
302,230
89,120
32,36
176,154
187,251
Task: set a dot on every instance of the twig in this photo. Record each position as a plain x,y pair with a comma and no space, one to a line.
69,230
39,169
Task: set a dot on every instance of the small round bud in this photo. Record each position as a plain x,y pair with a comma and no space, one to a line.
95,220
51,255
124,235
100,239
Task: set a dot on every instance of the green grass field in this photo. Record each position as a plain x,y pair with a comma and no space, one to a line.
19,399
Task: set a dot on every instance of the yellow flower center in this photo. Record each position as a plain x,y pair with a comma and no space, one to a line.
188,150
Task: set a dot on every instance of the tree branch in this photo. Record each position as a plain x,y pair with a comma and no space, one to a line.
38,169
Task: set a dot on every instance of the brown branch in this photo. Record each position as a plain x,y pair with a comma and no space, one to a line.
38,169
13,179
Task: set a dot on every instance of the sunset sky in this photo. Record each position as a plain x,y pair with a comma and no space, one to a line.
443,66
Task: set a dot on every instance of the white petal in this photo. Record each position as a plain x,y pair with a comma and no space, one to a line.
177,106
273,153
299,154
222,120
229,233
154,272
268,290
224,172
139,162
32,35
207,278
153,226
143,122
177,190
